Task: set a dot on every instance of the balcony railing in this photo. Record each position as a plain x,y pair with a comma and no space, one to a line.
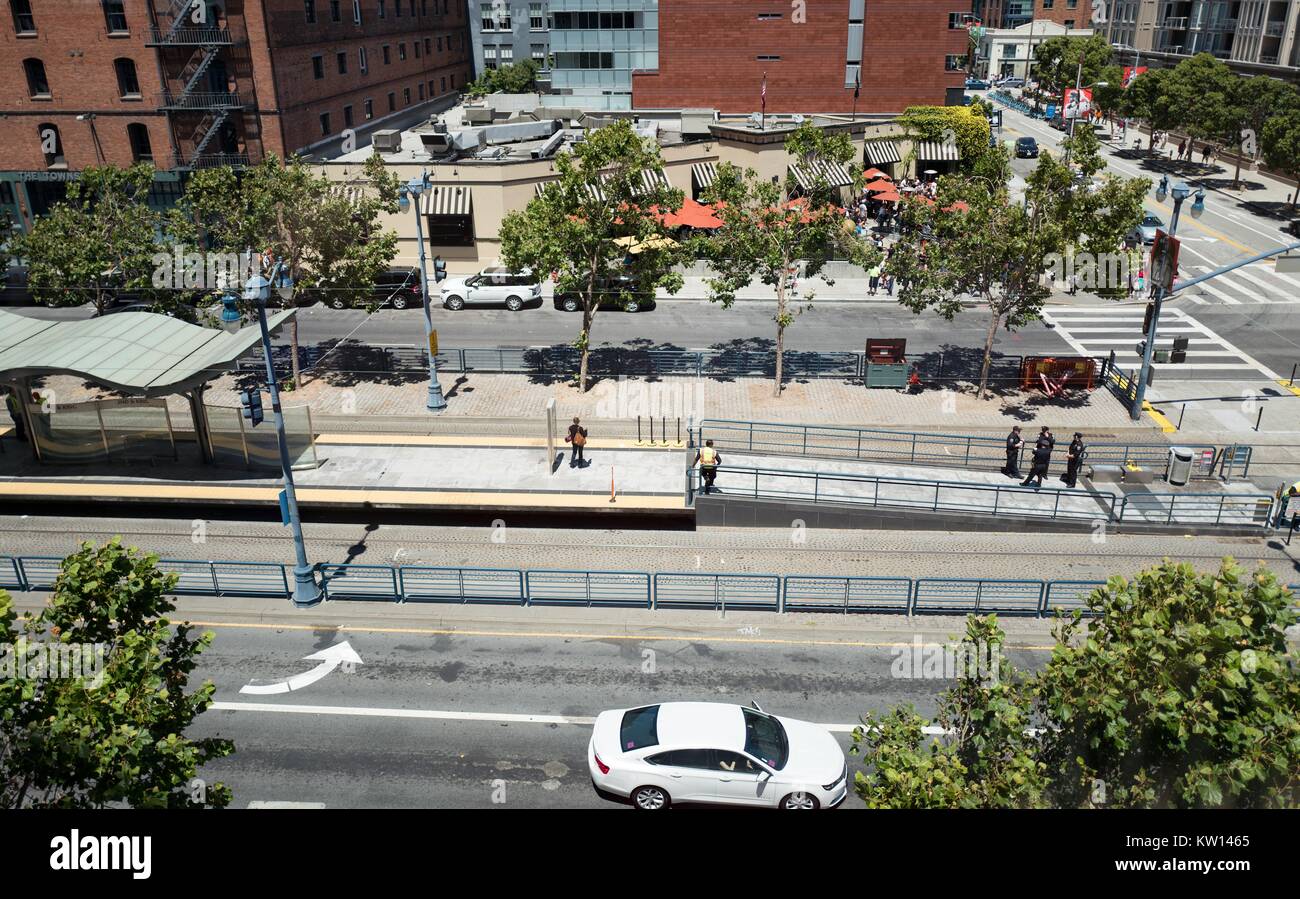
1223,25
189,37
1274,29
1268,59
203,101
1174,24
216,160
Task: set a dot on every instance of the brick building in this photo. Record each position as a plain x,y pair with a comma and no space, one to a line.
713,53
186,85
1070,14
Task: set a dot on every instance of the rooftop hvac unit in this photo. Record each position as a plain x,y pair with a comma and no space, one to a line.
386,141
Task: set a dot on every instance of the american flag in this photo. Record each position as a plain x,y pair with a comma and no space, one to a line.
763,93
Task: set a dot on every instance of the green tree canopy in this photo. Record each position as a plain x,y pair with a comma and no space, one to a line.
1056,61
117,734
967,127
99,240
1180,692
596,223
1150,98
765,236
328,236
1281,145
517,78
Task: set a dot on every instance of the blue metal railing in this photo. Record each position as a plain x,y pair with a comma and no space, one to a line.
919,447
1245,510
714,591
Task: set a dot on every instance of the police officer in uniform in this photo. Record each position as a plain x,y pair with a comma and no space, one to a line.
1074,460
1014,443
1038,468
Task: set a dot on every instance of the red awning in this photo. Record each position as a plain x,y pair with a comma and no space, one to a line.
888,197
880,184
875,173
693,215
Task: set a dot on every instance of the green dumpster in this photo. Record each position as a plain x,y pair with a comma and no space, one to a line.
887,374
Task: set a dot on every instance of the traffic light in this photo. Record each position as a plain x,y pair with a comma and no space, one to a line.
439,269
1146,319
1179,352
251,400
1141,349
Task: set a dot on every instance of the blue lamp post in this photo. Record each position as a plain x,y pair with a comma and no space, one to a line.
1180,193
257,290
409,197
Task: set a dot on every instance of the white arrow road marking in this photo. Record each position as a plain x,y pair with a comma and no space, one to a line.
439,715
330,658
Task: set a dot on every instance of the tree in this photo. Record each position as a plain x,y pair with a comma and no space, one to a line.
596,223
988,762
975,240
516,78
1056,60
1108,93
101,239
1281,142
1150,98
1256,101
328,237
765,235
116,734
1181,692
1204,91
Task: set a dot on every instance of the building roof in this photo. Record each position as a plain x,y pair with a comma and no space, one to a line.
139,353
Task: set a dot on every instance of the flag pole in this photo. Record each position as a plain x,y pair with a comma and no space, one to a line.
857,86
762,121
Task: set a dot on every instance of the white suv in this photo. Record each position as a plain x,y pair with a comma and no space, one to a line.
493,287
715,753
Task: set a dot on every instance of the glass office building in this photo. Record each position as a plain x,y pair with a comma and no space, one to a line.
597,44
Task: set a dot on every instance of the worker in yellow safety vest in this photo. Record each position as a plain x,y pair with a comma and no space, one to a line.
708,460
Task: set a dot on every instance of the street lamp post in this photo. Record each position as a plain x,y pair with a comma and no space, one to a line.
1180,193
257,290
409,197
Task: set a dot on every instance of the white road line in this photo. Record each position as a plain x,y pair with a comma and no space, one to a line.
1066,336
1263,285
440,715
1286,278
1264,370
1209,288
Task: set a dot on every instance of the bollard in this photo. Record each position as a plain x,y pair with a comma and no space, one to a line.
679,430
1291,381
638,430
611,483
1259,417
1179,426
663,428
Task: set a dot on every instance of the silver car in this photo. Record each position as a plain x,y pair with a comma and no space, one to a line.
493,287
1146,229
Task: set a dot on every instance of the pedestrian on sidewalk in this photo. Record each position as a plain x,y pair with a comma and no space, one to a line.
873,279
1182,148
1073,461
16,413
1038,467
1014,443
1074,284
1207,154
708,459
577,436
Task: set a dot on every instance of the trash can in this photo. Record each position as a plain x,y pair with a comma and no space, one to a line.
1178,471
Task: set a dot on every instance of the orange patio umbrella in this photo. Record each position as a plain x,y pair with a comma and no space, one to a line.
875,173
880,184
890,196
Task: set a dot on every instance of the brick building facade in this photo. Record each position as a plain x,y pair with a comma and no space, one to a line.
714,53
185,85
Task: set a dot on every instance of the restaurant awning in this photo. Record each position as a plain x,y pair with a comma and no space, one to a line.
832,173
882,152
704,174
935,151
693,215
447,199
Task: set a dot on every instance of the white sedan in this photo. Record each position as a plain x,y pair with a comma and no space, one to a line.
716,753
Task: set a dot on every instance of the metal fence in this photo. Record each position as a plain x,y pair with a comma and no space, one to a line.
966,451
715,591
563,360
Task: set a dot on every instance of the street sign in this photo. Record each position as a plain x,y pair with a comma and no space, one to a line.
1164,261
433,343
1287,264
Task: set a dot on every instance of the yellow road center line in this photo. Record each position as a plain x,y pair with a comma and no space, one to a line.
566,635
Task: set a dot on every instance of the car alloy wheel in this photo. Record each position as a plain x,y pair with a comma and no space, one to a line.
633,307
800,800
514,304
399,302
338,303
455,303
570,305
650,799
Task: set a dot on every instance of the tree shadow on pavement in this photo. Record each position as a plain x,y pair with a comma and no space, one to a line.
350,363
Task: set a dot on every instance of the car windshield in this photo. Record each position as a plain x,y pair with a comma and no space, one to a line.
765,739
640,728
1151,220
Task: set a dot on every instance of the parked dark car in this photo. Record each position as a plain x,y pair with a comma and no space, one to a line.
1026,148
610,291
975,84
397,288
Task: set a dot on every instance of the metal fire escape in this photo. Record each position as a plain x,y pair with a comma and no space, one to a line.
187,28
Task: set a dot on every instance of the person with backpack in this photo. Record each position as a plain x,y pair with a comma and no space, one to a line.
577,436
708,459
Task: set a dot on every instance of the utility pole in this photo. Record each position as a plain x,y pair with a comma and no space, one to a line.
1180,193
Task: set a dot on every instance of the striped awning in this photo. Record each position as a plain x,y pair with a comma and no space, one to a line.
704,174
353,193
541,186
446,199
882,152
653,180
831,173
934,151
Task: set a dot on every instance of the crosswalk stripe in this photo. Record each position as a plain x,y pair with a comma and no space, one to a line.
1264,285
1288,279
1209,288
